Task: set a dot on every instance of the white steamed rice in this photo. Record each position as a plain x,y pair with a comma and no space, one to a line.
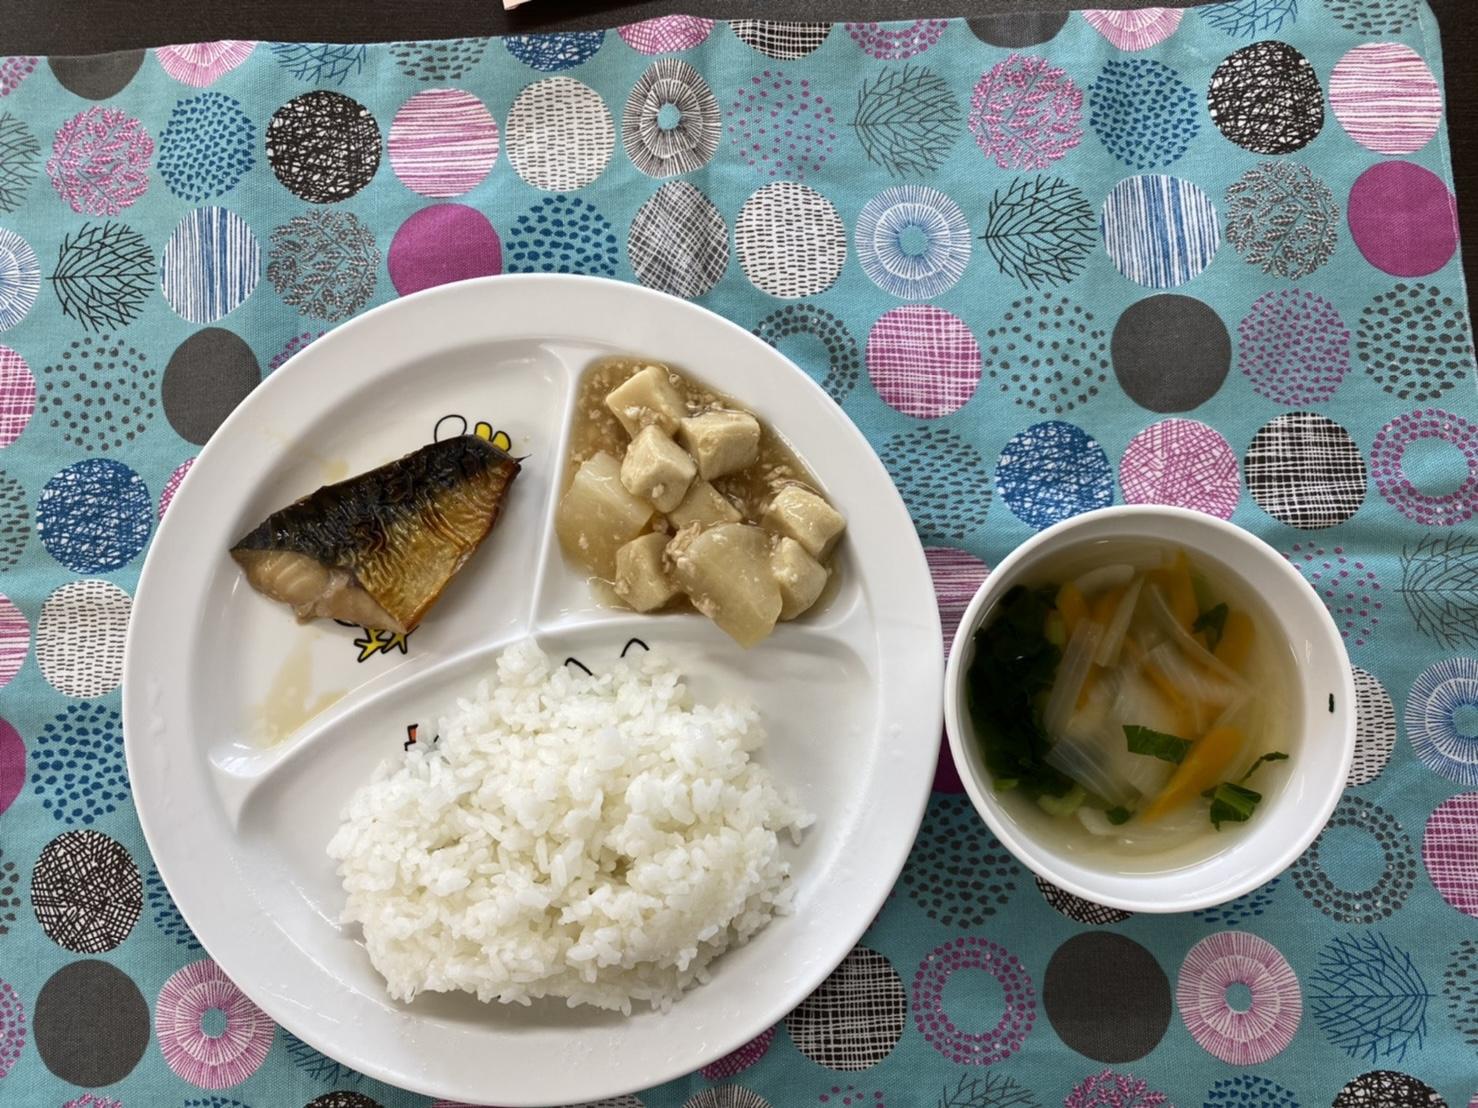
601,839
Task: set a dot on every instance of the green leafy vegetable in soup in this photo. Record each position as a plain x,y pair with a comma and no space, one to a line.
1125,699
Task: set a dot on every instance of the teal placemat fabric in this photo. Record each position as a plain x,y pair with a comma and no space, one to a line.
1046,263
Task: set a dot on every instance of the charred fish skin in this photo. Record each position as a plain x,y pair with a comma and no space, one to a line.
397,534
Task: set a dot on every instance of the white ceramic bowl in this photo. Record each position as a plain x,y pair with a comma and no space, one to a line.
1321,714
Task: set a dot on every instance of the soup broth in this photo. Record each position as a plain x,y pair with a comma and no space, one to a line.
1132,700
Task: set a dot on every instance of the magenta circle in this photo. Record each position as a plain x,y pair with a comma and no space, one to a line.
923,360
943,1034
441,244
737,1061
1386,98
12,764
1236,958
210,1061
1450,851
15,640
17,395
443,142
1390,447
172,486
1403,219
1293,347
1182,463
666,33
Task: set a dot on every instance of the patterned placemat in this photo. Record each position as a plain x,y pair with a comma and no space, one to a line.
1046,262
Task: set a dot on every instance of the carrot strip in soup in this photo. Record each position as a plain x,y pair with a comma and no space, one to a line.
1073,607
1236,641
1204,766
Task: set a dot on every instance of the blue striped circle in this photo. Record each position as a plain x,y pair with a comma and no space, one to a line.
1159,231
211,265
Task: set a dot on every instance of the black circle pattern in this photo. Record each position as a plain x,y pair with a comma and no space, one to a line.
856,1017
1266,98
1171,353
207,376
1013,30
323,146
100,396
1398,872
661,151
10,899
1388,1089
86,892
943,480
1106,997
843,361
1415,342
1460,987
343,1098
1077,909
1047,354
15,521
91,1024
1305,470
957,872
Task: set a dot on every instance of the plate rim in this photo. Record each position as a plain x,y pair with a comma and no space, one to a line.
154,829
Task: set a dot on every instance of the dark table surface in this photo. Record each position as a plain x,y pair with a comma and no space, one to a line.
91,26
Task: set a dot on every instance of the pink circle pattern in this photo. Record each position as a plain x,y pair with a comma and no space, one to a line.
87,1100
1450,851
850,1096
172,485
737,1061
1026,113
1391,443
203,63
17,395
782,126
1114,1090
1349,590
1135,30
15,641
443,142
99,161
666,34
1386,98
923,361
1240,1038
1293,347
985,1048
897,43
1183,463
12,1028
957,575
14,70
210,1061
12,764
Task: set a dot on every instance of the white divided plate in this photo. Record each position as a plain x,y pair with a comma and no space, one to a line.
238,823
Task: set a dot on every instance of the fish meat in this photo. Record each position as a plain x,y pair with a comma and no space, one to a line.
378,549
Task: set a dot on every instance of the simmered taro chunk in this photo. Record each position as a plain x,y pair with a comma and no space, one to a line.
721,442
657,469
800,577
703,505
800,514
725,571
597,516
641,579
647,398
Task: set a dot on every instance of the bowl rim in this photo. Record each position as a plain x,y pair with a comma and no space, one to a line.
979,791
